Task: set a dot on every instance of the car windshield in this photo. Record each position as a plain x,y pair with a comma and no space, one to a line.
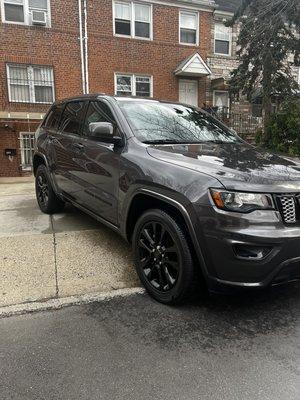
154,122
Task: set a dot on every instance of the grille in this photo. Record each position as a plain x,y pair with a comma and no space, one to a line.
289,208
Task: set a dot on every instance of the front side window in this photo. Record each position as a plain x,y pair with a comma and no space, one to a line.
72,118
152,121
28,12
30,84
97,112
133,85
222,39
188,26
132,19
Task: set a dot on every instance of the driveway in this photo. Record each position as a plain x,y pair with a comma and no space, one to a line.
233,348
67,254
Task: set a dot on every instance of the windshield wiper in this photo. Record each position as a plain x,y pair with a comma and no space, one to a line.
163,141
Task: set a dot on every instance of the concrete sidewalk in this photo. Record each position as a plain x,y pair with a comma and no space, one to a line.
67,254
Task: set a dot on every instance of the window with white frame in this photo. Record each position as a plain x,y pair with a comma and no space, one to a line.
133,19
133,85
30,84
189,27
27,12
27,148
221,100
223,35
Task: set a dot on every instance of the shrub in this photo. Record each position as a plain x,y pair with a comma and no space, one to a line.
283,129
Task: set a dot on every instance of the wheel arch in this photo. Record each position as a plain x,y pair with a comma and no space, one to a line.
146,199
38,159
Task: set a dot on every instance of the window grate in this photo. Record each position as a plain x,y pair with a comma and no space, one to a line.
30,84
27,140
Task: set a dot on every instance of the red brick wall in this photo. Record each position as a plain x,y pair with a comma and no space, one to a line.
160,57
9,139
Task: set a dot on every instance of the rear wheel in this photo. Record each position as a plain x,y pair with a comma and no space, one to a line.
48,201
162,257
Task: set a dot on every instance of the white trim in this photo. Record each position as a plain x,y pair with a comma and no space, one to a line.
194,13
230,41
196,55
132,19
27,14
133,82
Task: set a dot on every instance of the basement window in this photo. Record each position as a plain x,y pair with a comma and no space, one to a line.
26,12
133,85
30,84
133,20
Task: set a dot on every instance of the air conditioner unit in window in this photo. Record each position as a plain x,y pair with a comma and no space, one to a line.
38,17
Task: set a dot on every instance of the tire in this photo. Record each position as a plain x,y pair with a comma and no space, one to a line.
48,201
166,272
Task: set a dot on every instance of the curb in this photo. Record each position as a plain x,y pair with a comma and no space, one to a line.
56,304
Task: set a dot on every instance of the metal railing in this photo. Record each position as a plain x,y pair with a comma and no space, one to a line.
27,140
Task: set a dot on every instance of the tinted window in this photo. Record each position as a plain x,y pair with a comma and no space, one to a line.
97,112
52,121
167,122
72,118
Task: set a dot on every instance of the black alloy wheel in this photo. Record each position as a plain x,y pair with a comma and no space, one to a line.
47,199
162,257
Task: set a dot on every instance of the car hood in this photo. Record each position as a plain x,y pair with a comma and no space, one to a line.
237,166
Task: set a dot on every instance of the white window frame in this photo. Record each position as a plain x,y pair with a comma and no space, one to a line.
27,14
230,41
31,85
24,166
194,13
221,91
133,82
132,20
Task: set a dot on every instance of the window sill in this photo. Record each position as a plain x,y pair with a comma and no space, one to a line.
133,37
189,44
47,26
30,102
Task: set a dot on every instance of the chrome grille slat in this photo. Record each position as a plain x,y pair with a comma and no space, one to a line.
288,208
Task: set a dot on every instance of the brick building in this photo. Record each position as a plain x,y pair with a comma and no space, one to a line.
52,49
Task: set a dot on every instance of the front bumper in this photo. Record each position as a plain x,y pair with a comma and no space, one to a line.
226,237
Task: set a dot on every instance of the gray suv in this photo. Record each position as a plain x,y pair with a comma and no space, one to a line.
197,202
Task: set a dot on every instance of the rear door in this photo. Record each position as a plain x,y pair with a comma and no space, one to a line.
64,143
98,166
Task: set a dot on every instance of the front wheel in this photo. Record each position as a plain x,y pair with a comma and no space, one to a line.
162,257
48,201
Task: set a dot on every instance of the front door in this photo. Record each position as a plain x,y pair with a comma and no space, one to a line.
188,92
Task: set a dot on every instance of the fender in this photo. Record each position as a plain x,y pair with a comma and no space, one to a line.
39,154
185,215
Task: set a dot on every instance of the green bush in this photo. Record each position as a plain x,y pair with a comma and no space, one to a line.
283,130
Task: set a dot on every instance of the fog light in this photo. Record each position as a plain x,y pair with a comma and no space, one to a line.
250,252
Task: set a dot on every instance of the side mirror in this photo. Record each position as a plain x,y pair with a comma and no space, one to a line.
104,131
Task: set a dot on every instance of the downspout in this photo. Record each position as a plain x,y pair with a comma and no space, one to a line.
81,48
87,86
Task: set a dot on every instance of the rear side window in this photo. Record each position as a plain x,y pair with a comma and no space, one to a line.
52,121
72,117
97,112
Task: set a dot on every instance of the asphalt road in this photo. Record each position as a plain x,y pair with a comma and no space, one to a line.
241,347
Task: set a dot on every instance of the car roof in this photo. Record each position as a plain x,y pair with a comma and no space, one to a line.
95,96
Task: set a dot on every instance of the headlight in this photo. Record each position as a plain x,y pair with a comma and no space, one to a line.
241,202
